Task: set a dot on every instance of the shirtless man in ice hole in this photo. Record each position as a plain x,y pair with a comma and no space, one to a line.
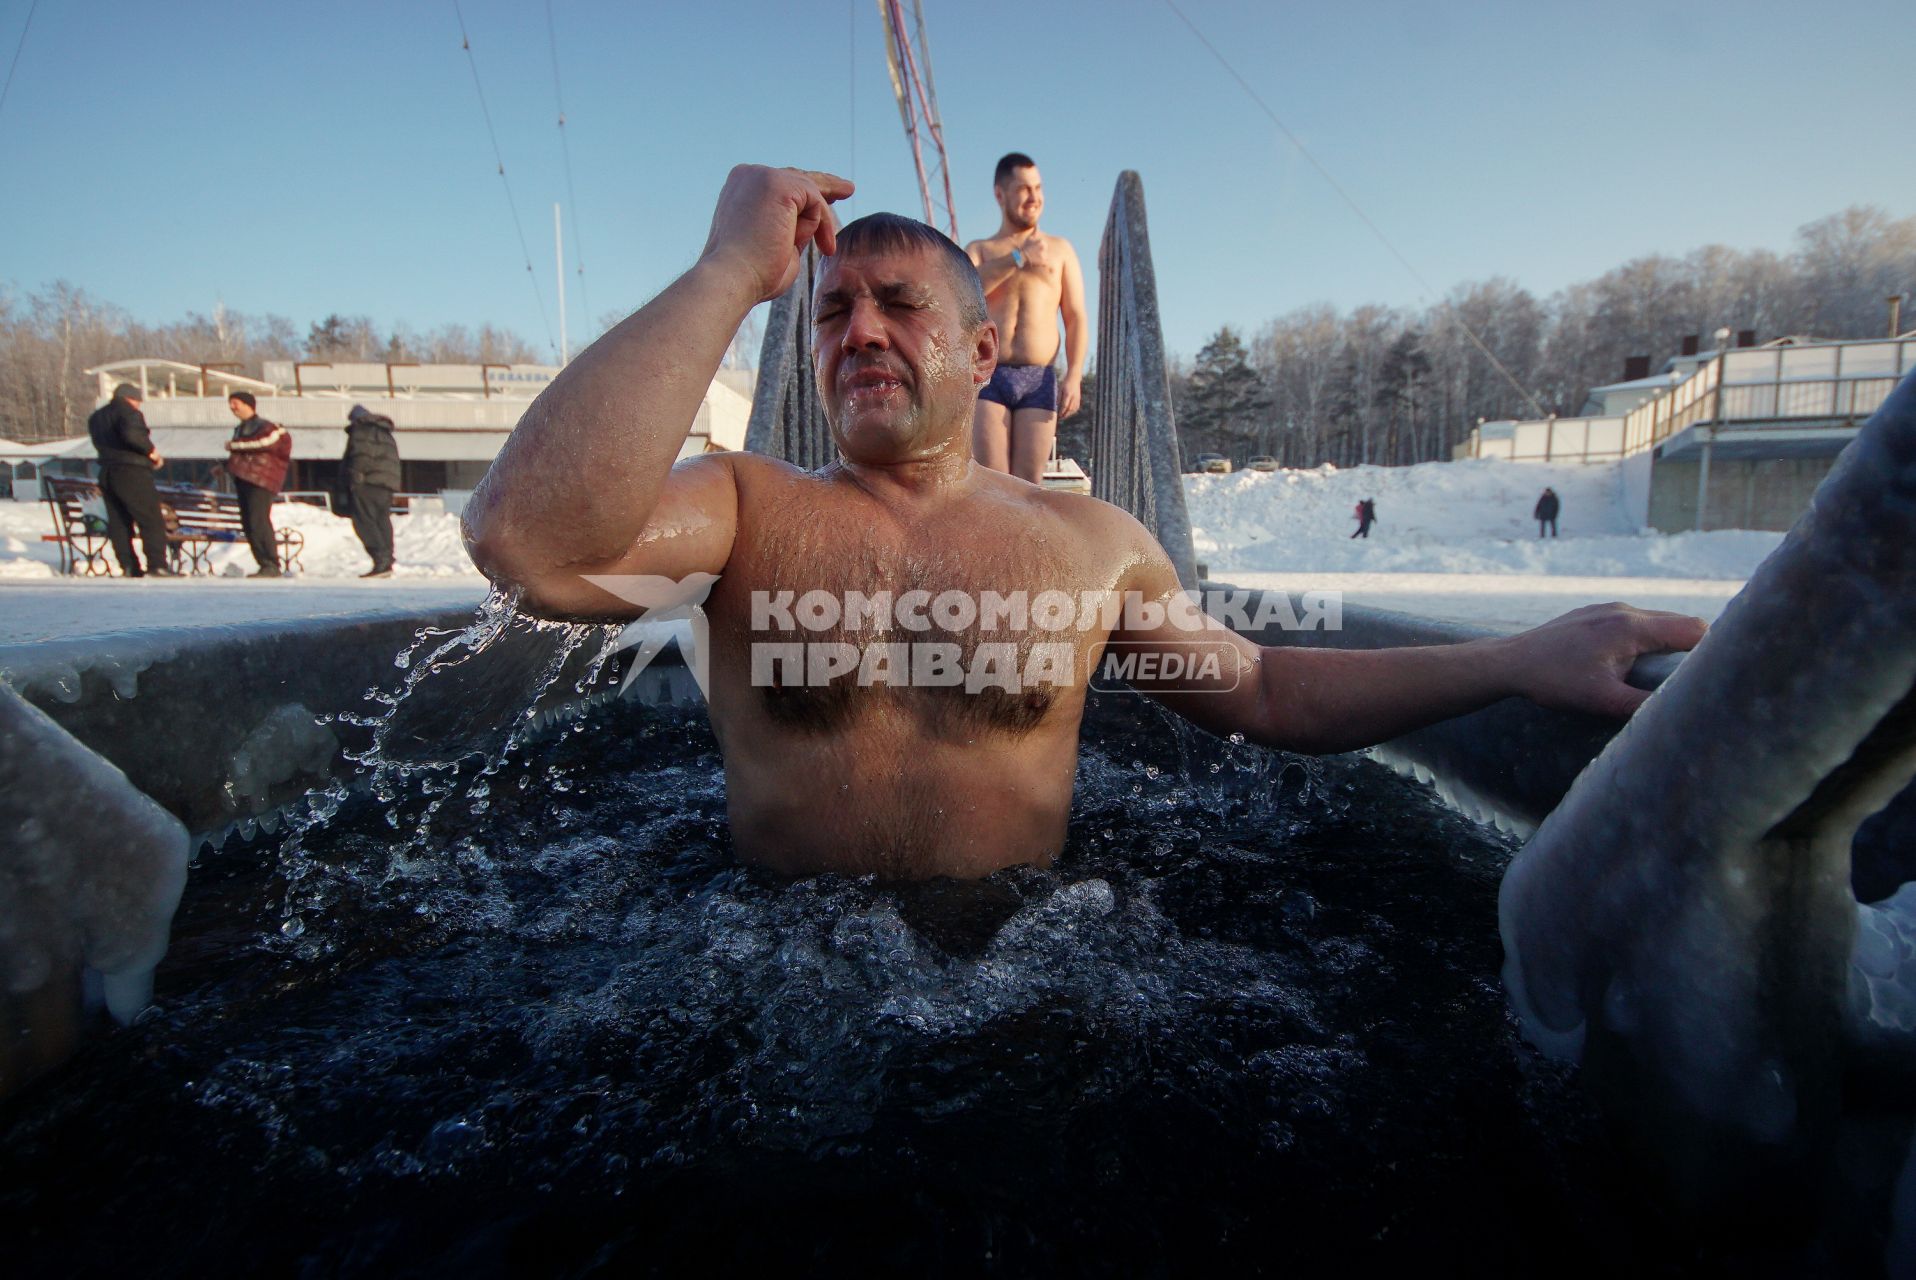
917,778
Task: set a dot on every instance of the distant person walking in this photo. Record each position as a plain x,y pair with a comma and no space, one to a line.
371,468
1366,516
1546,512
127,463
256,458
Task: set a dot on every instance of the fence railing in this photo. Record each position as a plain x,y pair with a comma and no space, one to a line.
1134,443
1685,404
1845,381
788,418
1756,386
1549,440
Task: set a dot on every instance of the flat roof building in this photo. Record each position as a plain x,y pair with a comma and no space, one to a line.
1734,439
449,419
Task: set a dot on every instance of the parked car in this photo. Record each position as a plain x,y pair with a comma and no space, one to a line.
1263,462
1213,464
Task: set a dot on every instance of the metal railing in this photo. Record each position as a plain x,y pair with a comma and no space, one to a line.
1134,443
1828,382
788,418
1685,404
1817,381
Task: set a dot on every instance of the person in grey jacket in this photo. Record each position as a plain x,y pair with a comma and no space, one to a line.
371,471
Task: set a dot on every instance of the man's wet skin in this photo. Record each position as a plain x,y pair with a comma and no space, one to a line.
895,780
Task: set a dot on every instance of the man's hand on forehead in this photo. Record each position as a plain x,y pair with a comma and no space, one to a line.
765,218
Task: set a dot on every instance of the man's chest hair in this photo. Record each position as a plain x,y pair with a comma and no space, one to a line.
968,580
848,581
971,551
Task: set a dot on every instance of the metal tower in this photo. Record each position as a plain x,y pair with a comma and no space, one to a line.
910,63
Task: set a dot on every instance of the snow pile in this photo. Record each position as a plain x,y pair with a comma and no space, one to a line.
1469,517
426,545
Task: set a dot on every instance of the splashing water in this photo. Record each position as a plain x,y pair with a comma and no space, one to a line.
468,699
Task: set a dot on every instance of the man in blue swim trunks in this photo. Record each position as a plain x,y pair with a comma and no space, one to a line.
1030,279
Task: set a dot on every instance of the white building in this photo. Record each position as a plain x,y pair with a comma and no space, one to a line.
1731,439
450,419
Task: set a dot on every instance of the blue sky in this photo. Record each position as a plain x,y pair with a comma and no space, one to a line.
316,158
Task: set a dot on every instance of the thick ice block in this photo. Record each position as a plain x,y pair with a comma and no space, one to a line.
91,871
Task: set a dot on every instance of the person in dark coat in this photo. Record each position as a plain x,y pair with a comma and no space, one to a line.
256,458
371,467
127,463
1546,512
1366,517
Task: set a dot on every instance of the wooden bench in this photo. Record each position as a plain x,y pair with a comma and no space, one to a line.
197,520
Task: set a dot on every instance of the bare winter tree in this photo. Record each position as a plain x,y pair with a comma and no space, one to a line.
1381,385
48,339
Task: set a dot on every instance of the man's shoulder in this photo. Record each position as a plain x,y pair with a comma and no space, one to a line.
756,473
1057,242
1088,518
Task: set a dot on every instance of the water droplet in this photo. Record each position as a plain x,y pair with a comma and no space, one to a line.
292,927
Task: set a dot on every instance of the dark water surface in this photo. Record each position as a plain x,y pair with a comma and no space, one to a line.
1252,1017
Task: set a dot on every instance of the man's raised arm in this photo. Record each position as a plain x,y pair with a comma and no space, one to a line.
585,484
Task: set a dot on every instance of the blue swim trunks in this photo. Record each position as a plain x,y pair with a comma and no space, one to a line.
1023,386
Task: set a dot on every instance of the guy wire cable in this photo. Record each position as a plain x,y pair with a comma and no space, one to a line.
1347,198
565,150
531,275
15,64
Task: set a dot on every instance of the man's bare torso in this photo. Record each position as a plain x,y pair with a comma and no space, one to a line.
1025,306
901,781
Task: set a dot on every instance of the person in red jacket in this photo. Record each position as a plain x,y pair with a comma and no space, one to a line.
256,458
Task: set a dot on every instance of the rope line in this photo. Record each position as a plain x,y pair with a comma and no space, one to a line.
851,83
15,64
532,276
1358,209
572,192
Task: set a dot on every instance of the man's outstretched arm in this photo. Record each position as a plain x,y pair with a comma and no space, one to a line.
1319,701
585,484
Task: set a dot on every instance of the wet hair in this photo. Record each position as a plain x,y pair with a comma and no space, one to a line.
1010,164
245,398
891,233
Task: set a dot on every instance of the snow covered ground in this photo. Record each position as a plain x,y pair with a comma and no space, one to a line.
37,603
425,545
1447,517
1453,540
